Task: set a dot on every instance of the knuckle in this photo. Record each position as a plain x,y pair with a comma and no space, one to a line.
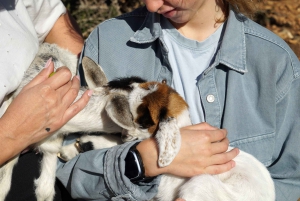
205,125
45,89
74,92
66,72
224,132
214,171
206,137
207,152
75,109
224,145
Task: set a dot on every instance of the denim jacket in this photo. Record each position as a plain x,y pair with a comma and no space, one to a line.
252,89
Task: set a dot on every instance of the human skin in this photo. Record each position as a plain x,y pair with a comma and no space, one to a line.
203,150
45,102
195,19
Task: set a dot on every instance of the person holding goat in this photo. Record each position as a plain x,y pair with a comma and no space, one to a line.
234,75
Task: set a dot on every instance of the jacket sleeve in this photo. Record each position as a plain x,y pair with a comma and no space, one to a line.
99,175
285,169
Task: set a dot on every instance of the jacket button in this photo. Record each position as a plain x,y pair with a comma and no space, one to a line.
210,98
164,81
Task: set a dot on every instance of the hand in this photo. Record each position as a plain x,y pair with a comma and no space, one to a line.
203,151
43,106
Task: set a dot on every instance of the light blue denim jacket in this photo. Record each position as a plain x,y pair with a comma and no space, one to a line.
255,82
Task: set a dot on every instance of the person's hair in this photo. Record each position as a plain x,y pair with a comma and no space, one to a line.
246,7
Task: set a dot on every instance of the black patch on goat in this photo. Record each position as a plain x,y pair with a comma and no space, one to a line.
87,146
124,83
145,121
163,113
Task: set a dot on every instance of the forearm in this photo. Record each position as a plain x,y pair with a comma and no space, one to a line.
66,34
10,145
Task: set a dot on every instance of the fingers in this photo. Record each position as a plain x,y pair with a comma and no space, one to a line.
62,76
42,76
223,158
71,92
62,91
77,106
218,169
220,147
217,135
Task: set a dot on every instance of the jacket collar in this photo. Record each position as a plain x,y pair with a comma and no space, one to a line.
149,31
232,52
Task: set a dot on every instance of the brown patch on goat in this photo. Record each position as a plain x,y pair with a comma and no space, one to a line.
159,105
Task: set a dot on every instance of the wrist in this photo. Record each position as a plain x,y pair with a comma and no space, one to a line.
149,153
16,143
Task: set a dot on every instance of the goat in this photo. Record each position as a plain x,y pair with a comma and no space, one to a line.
118,107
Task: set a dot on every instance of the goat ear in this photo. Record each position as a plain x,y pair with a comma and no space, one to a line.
169,141
118,110
93,73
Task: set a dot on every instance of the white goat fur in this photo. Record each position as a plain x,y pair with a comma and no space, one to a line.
249,180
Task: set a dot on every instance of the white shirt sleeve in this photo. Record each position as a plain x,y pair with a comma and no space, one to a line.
44,14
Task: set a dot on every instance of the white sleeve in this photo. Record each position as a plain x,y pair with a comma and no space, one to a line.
44,14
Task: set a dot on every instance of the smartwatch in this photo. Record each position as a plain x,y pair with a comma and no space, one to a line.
134,168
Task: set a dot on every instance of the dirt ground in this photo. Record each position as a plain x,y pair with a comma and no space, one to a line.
283,18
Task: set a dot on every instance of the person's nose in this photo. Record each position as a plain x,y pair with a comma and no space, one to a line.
153,5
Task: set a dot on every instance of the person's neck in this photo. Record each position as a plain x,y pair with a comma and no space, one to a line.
205,22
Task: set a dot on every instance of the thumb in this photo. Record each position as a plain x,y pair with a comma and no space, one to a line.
179,199
43,75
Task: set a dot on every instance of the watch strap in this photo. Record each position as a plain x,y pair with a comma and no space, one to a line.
138,162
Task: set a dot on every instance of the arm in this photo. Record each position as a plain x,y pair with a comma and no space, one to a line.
103,178
66,34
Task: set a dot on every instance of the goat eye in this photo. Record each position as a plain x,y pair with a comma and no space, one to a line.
142,127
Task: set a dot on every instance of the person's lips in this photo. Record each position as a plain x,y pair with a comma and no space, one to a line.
169,13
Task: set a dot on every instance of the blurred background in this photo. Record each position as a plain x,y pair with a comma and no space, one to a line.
280,16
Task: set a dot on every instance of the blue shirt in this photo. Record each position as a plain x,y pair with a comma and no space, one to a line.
252,89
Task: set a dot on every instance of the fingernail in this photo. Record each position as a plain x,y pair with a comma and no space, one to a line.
90,93
48,62
233,164
77,77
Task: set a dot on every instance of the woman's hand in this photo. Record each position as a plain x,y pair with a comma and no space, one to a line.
203,151
43,106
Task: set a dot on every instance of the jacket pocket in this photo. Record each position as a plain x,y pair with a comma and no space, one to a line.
261,147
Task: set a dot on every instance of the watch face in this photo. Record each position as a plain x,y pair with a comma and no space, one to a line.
132,166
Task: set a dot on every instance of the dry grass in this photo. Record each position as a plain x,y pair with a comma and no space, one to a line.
89,13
